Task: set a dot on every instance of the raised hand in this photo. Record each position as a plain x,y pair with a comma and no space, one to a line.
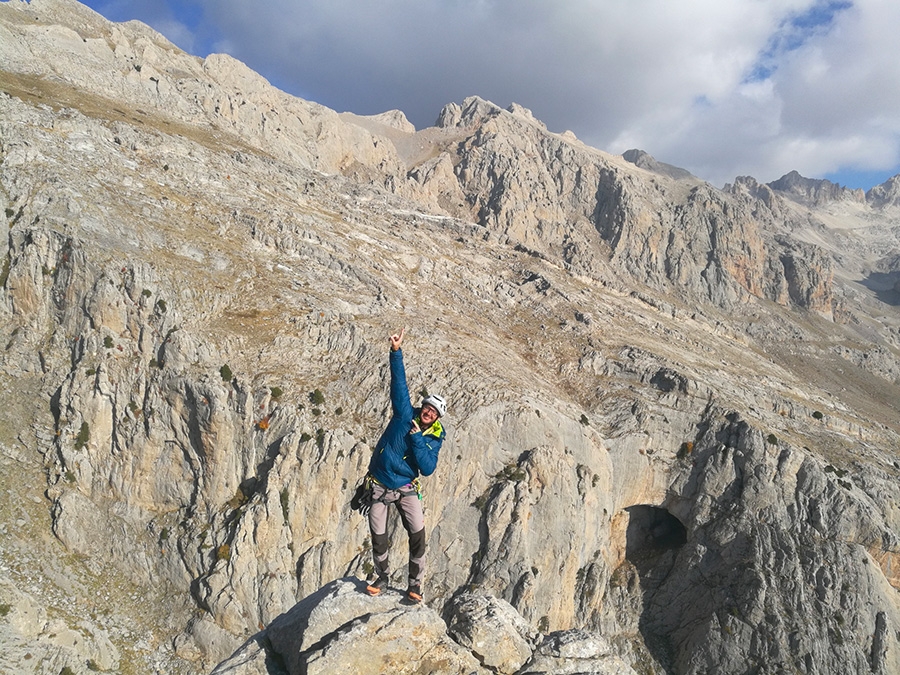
397,339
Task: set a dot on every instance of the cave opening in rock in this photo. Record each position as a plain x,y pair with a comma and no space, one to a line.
651,531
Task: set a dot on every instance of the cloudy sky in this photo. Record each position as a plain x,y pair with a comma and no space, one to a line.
720,87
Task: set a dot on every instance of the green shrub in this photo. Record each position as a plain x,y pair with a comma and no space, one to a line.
226,373
146,292
511,472
223,552
304,437
92,666
90,372
276,392
155,364
772,439
817,415
544,624
320,439
584,419
84,435
686,449
70,477
5,609
238,500
284,503
108,342
317,397
339,411
161,304
4,273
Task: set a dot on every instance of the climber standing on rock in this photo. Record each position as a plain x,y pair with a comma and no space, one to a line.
408,448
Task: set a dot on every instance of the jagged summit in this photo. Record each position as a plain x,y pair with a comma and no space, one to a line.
818,192
815,192
885,195
672,444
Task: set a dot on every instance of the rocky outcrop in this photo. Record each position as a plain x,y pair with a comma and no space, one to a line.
492,630
663,455
340,629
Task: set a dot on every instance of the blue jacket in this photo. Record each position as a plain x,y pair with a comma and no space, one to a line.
400,457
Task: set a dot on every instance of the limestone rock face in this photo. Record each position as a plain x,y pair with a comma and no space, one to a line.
672,436
558,198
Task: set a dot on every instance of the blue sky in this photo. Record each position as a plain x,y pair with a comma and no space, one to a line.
723,89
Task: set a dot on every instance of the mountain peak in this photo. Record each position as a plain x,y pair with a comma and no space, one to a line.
814,191
885,195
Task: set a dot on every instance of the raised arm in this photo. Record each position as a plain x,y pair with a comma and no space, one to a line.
399,389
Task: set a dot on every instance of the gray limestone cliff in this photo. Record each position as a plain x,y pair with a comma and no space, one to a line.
673,421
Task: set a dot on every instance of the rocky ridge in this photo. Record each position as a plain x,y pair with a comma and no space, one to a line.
199,272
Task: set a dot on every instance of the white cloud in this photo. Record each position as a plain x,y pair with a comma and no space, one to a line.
829,101
177,33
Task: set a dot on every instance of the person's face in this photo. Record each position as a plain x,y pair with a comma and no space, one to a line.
428,414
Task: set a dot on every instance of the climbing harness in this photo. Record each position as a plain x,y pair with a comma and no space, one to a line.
363,498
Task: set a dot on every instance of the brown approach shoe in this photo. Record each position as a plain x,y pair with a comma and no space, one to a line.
414,593
375,587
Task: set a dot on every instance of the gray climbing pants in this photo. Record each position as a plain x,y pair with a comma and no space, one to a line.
413,519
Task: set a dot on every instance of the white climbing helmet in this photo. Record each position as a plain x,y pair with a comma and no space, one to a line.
436,402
